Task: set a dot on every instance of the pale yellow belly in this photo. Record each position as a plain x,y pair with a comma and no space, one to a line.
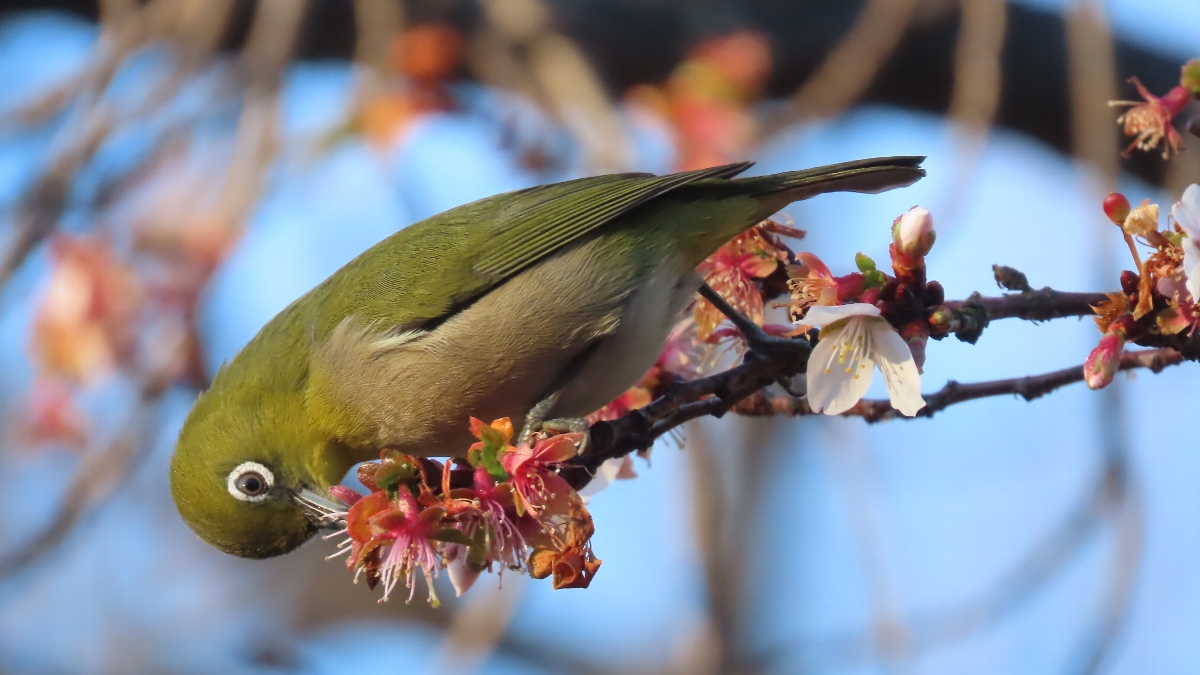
512,347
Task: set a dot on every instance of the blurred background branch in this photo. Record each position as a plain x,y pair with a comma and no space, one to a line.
181,131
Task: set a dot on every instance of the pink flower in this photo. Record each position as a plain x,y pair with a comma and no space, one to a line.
410,528
1149,121
402,532
536,483
486,520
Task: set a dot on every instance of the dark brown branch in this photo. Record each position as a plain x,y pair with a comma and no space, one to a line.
1029,387
972,315
1039,305
775,359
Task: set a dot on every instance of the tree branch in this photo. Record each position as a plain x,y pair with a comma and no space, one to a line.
718,394
1039,305
972,315
1029,387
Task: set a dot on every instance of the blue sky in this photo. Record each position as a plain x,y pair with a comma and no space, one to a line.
955,500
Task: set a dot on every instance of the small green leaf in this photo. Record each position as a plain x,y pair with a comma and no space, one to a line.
491,462
864,262
394,472
874,279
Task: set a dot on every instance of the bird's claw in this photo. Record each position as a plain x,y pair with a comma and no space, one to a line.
535,422
571,425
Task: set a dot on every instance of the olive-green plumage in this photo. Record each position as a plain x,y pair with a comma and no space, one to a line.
483,310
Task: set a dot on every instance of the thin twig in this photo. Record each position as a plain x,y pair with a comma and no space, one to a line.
1028,387
974,314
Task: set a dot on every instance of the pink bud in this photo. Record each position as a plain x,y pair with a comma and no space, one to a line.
1116,207
345,495
913,232
1103,363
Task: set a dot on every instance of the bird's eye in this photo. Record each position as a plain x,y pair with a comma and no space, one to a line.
250,482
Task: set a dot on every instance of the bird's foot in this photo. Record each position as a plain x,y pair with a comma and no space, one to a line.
571,425
536,422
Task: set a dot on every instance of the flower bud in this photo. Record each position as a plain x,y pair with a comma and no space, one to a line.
1189,77
913,232
916,335
1103,363
1130,281
941,319
1142,221
345,495
934,294
1116,207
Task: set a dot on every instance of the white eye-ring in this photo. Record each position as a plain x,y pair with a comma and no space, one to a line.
250,482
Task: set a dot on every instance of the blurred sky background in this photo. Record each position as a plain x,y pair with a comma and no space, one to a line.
901,520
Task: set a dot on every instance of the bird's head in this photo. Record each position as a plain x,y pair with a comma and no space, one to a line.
247,478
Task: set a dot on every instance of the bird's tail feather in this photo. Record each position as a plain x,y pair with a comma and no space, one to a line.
866,175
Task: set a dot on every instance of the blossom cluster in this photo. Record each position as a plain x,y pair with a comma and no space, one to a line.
503,507
871,319
1159,303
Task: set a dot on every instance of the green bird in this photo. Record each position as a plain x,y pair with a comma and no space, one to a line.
554,300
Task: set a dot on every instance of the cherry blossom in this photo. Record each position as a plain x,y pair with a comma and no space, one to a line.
854,340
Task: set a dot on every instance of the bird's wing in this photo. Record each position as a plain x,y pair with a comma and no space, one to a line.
424,274
366,316
554,223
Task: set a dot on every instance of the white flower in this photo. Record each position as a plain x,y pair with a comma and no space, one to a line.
620,468
854,340
1186,212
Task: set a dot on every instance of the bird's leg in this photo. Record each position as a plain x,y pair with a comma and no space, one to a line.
536,417
536,421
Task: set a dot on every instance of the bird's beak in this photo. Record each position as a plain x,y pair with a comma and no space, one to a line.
322,511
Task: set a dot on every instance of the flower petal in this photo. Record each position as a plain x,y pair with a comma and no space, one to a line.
611,470
1191,266
823,316
1186,212
462,575
900,372
840,368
